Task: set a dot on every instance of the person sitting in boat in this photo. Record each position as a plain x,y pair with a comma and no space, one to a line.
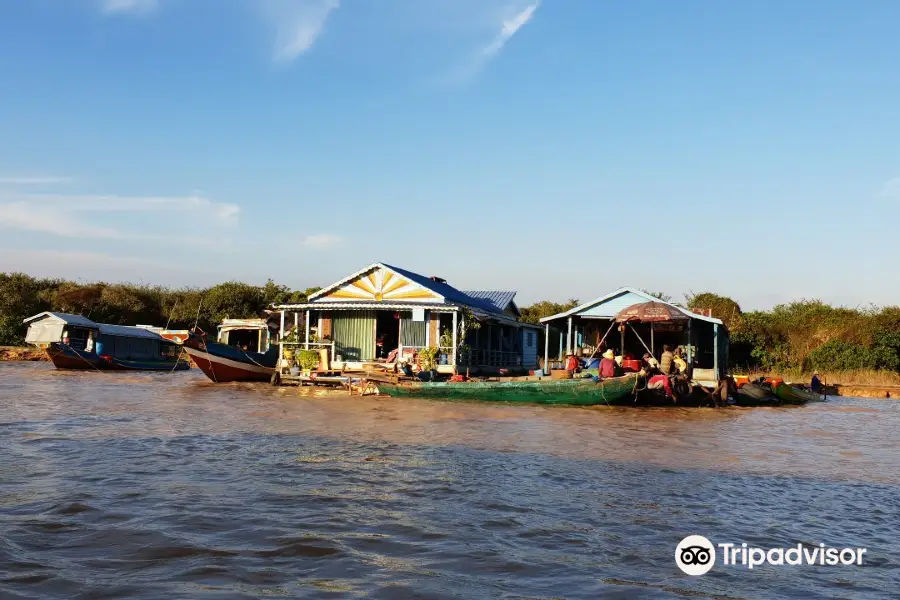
650,367
679,362
816,384
608,365
573,365
726,387
661,382
665,361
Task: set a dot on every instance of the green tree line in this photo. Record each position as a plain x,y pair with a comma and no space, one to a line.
805,335
22,296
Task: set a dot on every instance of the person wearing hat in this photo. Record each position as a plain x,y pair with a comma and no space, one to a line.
816,384
608,365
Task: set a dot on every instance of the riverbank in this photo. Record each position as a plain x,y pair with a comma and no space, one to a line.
22,353
859,383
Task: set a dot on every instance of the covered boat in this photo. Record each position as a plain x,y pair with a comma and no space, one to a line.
584,392
76,342
242,351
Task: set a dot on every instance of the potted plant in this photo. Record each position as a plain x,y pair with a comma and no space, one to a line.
292,337
428,358
308,360
446,344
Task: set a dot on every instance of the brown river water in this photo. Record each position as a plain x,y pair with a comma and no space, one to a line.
157,486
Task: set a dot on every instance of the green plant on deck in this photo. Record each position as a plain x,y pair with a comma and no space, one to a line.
308,359
428,358
446,340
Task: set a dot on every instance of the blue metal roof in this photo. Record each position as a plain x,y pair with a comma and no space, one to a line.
499,299
128,331
450,293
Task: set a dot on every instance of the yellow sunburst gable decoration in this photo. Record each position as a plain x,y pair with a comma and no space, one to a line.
381,285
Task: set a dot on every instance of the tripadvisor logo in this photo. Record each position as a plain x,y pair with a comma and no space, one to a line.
696,555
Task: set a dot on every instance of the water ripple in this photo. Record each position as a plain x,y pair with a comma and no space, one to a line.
154,487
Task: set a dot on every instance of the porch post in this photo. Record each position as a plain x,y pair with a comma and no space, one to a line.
690,344
453,352
716,350
280,337
307,327
560,355
547,348
427,328
569,344
400,337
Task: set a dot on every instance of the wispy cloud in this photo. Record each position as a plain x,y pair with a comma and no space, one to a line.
22,215
323,241
32,180
88,216
509,28
509,23
129,7
890,190
298,24
224,212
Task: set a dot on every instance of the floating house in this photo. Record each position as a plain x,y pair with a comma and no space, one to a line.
384,313
581,329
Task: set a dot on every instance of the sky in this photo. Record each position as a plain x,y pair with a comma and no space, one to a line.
561,148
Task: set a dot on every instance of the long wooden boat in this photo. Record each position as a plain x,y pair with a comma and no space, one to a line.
65,356
583,392
223,363
76,342
793,395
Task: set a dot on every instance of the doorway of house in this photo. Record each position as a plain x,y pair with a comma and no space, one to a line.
387,333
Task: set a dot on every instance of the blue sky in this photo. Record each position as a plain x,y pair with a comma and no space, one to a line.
562,148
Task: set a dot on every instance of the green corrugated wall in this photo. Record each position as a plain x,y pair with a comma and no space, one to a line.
412,332
353,333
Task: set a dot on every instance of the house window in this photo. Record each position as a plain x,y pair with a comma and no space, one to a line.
529,339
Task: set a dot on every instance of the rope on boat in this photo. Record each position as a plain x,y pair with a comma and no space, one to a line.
206,349
603,339
75,350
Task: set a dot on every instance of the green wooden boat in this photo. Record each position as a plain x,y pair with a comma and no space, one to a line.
791,395
751,394
582,392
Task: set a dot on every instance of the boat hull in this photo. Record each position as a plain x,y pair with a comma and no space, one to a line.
579,392
64,356
223,363
791,395
751,394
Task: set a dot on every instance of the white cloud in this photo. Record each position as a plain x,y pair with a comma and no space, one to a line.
298,24
890,190
32,180
130,7
90,216
68,203
504,26
509,28
22,215
322,241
